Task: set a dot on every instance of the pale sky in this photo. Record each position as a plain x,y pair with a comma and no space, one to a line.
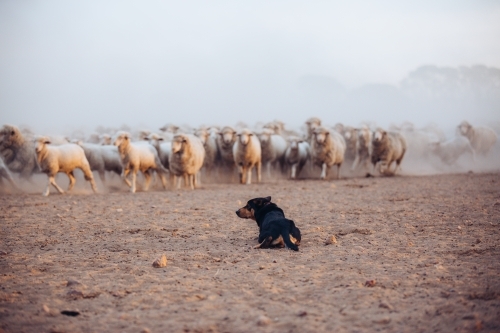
71,64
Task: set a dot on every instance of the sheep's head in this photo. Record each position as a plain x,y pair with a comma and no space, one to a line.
265,136
10,135
144,134
244,136
40,143
178,143
121,138
339,127
464,127
294,143
312,124
203,134
320,135
379,135
105,139
169,128
228,135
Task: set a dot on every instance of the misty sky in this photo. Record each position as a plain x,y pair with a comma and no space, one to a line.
69,64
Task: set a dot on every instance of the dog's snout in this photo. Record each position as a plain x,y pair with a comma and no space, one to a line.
237,212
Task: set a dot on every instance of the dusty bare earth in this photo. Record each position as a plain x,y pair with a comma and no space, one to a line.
430,245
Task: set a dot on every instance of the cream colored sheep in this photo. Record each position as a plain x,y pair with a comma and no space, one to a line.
387,147
481,138
17,151
247,155
186,159
137,157
328,148
64,158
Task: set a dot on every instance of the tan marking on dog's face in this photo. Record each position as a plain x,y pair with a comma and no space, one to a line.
246,213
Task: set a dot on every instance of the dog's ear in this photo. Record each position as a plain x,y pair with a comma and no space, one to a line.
268,199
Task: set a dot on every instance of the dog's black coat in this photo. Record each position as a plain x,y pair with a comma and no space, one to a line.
273,224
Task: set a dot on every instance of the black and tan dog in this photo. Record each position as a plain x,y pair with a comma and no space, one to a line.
274,229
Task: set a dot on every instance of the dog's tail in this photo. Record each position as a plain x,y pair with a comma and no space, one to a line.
288,242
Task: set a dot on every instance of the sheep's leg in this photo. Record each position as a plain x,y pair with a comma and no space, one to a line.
101,175
147,181
125,173
134,178
259,166
355,163
90,177
179,180
294,170
197,178
241,171
52,181
338,170
163,180
186,180
249,175
192,181
72,180
324,168
268,167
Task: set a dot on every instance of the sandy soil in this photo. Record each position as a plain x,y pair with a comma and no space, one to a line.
429,244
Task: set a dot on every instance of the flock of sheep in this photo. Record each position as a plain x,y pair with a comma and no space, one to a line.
186,153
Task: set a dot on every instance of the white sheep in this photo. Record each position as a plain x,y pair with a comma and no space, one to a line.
225,142
209,140
363,148
450,151
387,147
296,156
5,174
186,159
102,158
351,139
163,148
311,125
137,157
328,149
64,158
17,151
481,138
273,148
247,155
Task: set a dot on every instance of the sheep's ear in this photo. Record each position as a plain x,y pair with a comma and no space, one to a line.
184,140
47,142
160,139
13,132
250,134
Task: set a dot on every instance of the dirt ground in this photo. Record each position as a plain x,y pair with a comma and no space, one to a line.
413,254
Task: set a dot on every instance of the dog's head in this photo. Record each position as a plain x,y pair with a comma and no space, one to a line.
248,212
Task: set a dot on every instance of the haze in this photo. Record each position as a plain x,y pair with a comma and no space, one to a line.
77,65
